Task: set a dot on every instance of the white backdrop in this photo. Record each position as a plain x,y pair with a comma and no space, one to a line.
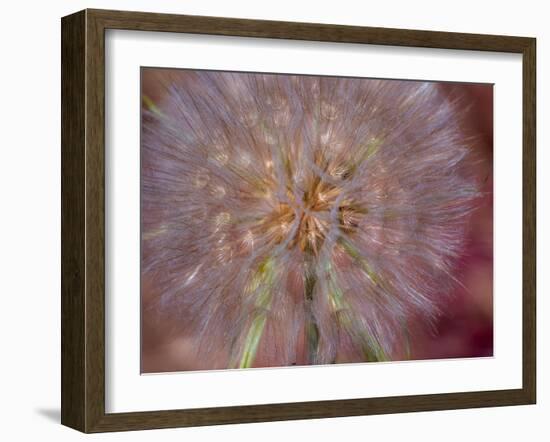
30,191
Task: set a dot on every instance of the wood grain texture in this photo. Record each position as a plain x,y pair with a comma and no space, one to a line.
73,127
529,220
83,220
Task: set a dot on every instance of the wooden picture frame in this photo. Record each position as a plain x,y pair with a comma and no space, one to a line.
83,220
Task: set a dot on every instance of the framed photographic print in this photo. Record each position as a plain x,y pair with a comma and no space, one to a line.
271,220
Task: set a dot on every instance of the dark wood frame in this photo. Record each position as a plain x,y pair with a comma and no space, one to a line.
83,218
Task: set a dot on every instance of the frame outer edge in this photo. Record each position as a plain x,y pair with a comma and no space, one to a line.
73,132
197,24
94,158
529,221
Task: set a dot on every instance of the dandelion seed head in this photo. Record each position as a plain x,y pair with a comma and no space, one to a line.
295,218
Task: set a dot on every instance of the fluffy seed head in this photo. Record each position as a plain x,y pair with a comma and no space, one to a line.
298,219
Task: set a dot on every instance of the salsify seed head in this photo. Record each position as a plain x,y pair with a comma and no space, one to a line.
302,220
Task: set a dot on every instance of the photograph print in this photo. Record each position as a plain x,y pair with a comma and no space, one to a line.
297,220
